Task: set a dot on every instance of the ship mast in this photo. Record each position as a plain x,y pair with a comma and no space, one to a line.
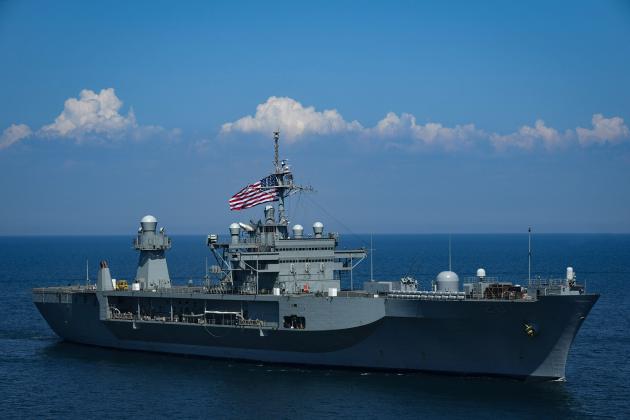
285,179
276,154
282,219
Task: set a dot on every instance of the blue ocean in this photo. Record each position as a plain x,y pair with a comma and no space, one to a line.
43,377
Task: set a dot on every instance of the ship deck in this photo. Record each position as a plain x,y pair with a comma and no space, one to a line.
200,292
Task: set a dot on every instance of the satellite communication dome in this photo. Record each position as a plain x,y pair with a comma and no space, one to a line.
447,281
148,223
318,228
298,230
481,273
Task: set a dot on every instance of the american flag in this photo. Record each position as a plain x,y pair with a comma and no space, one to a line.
262,191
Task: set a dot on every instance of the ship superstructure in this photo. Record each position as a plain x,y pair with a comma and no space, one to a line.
277,298
265,256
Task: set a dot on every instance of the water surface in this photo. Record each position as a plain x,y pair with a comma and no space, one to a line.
42,376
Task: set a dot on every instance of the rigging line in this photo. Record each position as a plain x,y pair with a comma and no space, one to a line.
215,336
294,205
352,233
299,207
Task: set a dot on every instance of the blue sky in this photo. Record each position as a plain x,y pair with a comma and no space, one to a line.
405,116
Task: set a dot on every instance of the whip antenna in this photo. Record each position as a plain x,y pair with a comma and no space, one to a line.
449,253
529,254
371,257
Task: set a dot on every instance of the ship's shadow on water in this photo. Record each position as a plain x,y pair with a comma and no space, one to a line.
323,391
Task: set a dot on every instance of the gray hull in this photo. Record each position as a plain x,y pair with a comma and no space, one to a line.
458,337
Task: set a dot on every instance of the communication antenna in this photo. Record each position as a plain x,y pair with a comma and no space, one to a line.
276,158
87,272
351,270
449,252
205,276
371,257
529,254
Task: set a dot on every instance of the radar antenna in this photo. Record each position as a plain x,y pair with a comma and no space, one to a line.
529,254
284,177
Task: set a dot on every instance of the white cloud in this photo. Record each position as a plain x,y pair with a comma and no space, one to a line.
296,121
604,130
97,117
527,137
403,131
406,127
293,120
92,114
14,134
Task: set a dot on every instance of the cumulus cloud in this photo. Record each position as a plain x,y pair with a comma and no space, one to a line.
527,137
406,127
14,134
296,121
404,131
97,117
611,130
90,117
293,120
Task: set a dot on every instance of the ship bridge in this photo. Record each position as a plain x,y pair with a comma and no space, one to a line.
263,256
264,260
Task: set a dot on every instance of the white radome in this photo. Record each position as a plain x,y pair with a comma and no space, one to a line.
148,219
447,276
148,223
447,281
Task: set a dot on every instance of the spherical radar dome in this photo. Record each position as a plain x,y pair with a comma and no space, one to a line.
148,219
447,276
148,223
447,281
298,231
318,228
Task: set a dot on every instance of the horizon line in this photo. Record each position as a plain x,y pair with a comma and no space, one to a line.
33,235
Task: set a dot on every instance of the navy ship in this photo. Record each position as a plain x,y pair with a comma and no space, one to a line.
274,296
